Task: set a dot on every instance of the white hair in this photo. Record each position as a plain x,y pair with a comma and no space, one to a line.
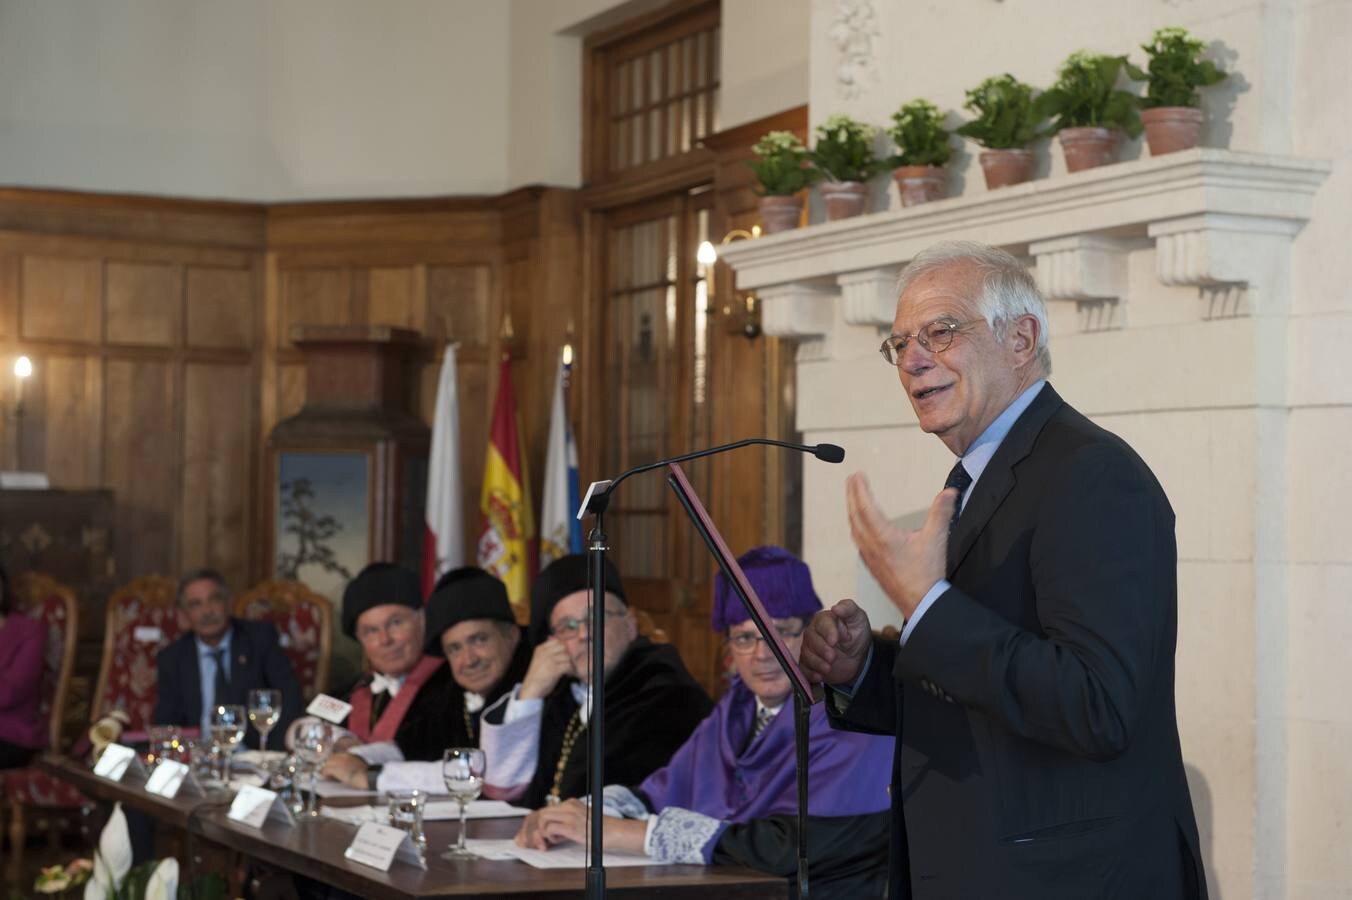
1008,290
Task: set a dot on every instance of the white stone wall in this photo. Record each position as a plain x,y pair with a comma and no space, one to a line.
1240,401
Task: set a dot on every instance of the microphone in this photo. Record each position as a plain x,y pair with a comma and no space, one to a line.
598,493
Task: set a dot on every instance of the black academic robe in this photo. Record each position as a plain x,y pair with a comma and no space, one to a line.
652,705
462,726
846,855
424,732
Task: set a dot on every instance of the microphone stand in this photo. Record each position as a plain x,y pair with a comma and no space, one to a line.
596,502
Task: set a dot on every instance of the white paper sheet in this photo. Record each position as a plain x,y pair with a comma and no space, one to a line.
326,788
566,856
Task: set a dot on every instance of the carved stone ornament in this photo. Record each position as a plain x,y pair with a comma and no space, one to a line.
853,31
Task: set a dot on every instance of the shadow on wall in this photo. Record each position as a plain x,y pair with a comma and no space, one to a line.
1219,100
1202,809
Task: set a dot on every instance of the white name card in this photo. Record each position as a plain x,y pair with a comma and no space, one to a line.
253,806
378,846
172,778
116,760
147,634
330,709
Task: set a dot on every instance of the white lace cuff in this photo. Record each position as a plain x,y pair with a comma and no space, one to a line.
681,836
512,747
378,752
618,802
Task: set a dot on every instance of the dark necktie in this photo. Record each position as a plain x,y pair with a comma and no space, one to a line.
763,717
957,478
222,682
378,704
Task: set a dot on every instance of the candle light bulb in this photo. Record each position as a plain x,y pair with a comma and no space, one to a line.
23,367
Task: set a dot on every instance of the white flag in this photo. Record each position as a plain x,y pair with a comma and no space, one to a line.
444,535
560,532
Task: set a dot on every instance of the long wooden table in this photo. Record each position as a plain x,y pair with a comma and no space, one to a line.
315,849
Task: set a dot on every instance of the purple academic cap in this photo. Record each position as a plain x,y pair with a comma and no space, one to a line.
781,580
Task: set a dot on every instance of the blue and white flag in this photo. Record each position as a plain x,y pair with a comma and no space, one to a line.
560,531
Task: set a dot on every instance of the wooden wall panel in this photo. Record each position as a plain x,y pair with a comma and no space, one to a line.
314,297
290,390
59,298
10,266
143,303
142,463
61,427
220,307
459,305
395,296
218,467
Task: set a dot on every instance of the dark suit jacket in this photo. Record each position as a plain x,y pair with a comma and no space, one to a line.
256,661
1037,743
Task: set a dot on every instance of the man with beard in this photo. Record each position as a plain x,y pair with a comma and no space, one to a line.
398,711
729,794
470,621
535,737
219,660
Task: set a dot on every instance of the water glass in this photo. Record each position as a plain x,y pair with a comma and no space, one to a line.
228,723
165,741
313,744
265,708
406,812
462,769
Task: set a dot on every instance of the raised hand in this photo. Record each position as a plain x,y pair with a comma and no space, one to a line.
549,663
906,564
835,644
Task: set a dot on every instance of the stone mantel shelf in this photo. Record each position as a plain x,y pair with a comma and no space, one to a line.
1216,217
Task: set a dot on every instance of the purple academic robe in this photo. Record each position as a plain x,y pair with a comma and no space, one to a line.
715,774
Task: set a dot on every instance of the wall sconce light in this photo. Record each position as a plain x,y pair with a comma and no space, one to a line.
742,313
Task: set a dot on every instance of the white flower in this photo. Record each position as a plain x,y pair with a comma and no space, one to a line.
112,859
163,883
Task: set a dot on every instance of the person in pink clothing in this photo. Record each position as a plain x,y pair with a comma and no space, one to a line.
22,730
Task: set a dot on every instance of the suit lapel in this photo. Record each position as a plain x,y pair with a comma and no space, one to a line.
997,480
192,682
241,656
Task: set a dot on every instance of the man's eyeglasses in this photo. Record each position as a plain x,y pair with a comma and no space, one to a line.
744,642
936,337
568,625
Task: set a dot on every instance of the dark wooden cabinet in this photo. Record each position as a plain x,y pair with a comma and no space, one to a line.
69,536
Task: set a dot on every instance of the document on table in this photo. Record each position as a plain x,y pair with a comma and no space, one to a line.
567,856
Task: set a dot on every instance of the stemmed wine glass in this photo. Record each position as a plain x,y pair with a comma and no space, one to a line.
314,743
462,768
265,708
228,723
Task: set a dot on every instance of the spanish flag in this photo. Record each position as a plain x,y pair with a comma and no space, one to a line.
508,527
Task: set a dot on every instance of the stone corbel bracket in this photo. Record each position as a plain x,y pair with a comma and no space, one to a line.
1082,267
870,296
799,310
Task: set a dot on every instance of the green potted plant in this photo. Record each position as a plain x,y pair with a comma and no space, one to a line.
1091,113
782,167
1171,115
1006,122
923,152
844,156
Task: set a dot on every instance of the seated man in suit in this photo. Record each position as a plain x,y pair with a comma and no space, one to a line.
729,795
398,710
470,621
219,660
534,737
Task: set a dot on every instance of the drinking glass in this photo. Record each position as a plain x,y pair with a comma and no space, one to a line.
462,768
406,812
265,708
164,743
228,723
314,743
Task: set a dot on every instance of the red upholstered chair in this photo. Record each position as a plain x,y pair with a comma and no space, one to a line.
304,621
30,789
142,619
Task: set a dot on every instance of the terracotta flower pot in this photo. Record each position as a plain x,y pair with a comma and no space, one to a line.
844,199
1005,167
1171,128
1086,148
921,184
779,213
